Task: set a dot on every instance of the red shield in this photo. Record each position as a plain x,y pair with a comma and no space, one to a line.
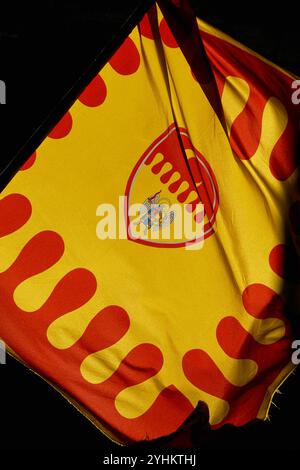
173,168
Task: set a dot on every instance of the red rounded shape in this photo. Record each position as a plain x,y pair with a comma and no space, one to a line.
262,302
126,59
105,329
284,261
15,210
62,128
95,93
145,27
283,160
276,259
29,162
167,35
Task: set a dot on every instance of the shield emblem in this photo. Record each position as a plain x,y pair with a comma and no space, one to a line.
174,179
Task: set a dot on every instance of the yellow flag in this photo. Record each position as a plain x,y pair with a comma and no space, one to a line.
144,241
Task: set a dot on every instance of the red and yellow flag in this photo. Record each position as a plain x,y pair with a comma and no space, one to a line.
135,331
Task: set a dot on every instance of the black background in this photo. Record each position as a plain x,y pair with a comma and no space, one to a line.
45,47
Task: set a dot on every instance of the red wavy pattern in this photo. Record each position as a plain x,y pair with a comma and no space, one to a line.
229,60
26,334
226,60
260,302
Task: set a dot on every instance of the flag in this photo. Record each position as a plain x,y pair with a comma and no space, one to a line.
103,294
